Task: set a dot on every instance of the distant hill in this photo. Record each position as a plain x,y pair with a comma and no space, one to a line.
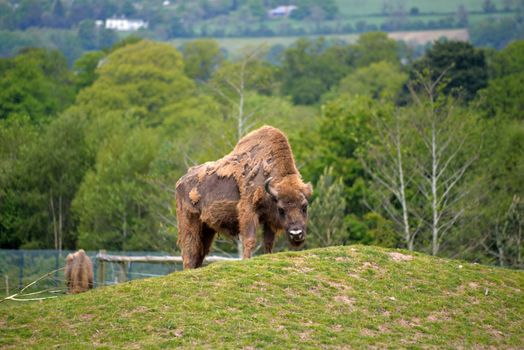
333,298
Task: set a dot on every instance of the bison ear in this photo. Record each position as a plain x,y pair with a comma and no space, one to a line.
308,190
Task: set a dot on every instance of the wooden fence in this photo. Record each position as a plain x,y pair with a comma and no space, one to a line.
124,261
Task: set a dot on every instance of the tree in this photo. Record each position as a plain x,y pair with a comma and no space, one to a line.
498,219
111,203
462,16
374,47
57,165
327,225
201,58
464,66
309,69
85,69
344,132
29,14
140,79
177,29
106,38
42,182
17,135
37,83
382,80
232,83
447,151
87,34
504,94
496,32
488,6
387,163
147,122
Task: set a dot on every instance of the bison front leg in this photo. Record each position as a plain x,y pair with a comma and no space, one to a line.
269,239
248,222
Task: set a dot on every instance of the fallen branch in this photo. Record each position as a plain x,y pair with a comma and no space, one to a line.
21,293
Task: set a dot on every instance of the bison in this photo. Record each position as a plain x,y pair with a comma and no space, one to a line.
78,272
256,185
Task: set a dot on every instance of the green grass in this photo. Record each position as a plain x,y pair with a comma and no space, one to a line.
333,298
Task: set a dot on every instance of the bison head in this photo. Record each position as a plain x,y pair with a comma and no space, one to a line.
290,196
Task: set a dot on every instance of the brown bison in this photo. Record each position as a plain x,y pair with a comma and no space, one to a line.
257,184
78,272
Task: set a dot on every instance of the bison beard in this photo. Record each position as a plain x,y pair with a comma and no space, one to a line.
257,184
78,272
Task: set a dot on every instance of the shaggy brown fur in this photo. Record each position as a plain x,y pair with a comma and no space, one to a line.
78,272
256,184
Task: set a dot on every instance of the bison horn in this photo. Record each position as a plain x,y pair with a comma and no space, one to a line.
267,186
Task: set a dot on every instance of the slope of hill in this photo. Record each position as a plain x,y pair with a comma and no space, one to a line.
339,297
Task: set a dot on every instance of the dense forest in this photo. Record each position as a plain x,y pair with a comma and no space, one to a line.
425,154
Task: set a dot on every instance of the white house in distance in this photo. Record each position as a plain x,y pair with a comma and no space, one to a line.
281,11
124,24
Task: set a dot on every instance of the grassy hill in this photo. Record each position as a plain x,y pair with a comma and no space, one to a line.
334,298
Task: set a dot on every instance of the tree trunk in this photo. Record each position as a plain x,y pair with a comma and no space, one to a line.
53,215
434,205
60,224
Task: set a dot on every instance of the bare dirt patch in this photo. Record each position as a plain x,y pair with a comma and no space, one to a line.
423,37
337,285
366,332
354,275
370,265
344,299
342,259
440,316
395,256
337,328
306,335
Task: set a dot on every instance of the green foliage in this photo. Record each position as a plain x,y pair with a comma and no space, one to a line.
111,203
346,130
141,79
43,182
500,171
374,47
17,135
327,226
505,91
497,33
461,63
382,80
309,69
85,69
201,58
37,83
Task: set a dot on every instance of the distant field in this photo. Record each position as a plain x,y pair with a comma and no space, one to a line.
351,13
350,8
235,45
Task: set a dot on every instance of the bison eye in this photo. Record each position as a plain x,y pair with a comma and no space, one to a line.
304,209
281,211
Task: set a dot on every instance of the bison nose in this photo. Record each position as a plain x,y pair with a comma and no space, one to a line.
296,234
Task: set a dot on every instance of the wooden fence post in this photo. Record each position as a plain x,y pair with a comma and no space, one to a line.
101,269
122,275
